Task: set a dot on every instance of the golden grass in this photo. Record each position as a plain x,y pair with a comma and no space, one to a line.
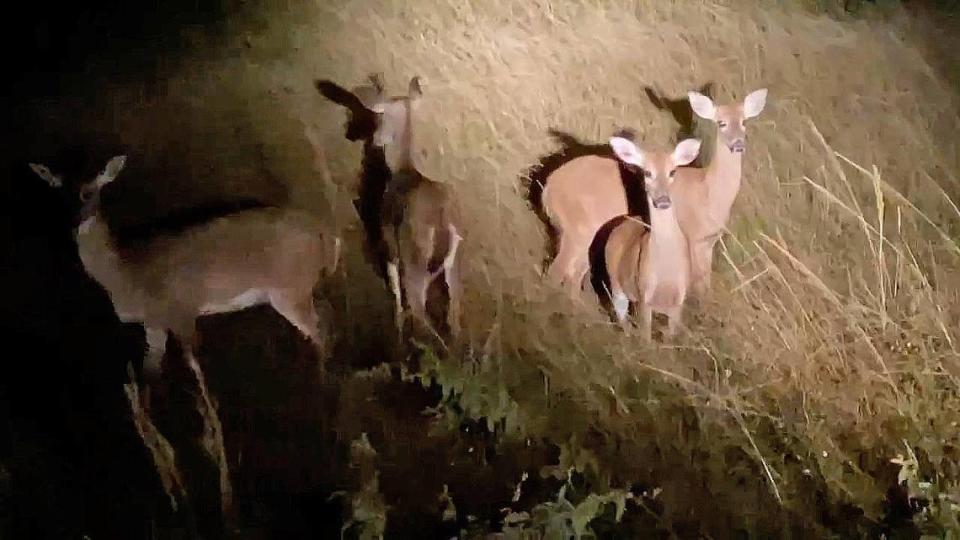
831,335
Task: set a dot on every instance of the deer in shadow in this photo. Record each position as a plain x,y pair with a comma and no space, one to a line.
413,223
255,256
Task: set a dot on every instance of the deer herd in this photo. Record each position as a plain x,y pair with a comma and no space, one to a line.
414,231
276,256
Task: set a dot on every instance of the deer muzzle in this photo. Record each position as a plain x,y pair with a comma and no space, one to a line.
660,202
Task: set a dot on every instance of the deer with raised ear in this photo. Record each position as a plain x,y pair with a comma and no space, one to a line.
705,196
587,192
651,266
256,256
420,217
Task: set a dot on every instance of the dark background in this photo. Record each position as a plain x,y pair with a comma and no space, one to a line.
70,462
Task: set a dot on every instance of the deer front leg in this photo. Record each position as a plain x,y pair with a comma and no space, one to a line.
152,362
393,273
646,321
707,265
302,314
700,263
674,321
416,280
211,436
207,437
156,348
451,274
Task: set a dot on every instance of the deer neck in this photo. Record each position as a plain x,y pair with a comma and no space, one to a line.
99,253
399,155
664,232
723,180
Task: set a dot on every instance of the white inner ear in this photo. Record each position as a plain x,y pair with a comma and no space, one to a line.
686,152
110,172
702,106
626,151
754,103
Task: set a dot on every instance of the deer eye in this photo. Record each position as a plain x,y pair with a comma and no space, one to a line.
722,123
672,173
647,174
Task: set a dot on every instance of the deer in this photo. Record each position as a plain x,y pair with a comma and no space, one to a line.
587,192
651,266
705,196
419,217
578,199
264,255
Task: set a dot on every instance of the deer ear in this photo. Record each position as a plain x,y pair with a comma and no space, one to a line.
627,151
702,106
415,91
686,152
753,104
376,79
110,172
44,172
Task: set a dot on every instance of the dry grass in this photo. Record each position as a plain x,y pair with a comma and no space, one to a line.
831,336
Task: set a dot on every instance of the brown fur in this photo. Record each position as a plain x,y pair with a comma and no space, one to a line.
579,198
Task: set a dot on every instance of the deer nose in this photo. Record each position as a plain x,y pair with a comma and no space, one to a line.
738,146
661,202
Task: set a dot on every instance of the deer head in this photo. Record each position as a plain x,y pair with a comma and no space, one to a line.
89,192
361,121
658,167
393,115
730,117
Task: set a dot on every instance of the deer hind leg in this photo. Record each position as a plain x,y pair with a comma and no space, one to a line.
621,305
578,273
560,266
302,314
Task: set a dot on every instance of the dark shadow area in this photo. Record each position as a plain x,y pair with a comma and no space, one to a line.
67,441
58,45
536,177
679,109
